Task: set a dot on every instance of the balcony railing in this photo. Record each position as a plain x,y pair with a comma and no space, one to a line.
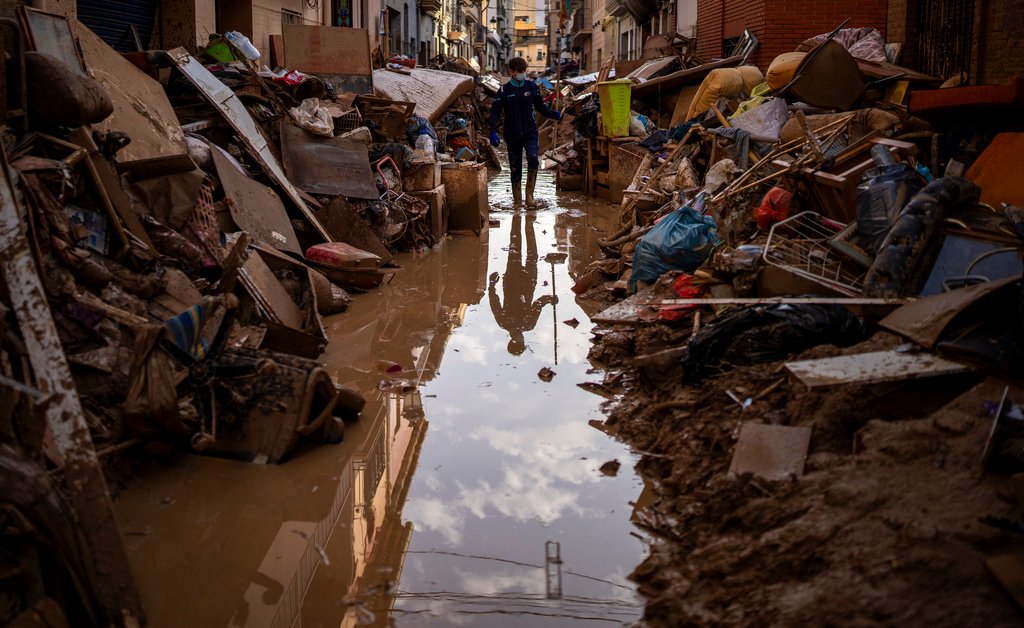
581,20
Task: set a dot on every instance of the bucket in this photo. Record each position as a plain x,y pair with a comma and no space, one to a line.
614,98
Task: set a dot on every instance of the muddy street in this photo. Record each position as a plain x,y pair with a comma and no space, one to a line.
440,503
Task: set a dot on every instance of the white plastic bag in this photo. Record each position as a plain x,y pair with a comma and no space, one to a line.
310,116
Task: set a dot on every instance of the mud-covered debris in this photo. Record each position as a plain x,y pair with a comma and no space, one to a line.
546,374
572,322
611,468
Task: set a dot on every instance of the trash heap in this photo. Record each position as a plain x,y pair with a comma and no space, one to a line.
174,228
192,217
813,330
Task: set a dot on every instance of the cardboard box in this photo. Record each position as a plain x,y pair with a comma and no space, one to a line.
438,216
421,177
465,186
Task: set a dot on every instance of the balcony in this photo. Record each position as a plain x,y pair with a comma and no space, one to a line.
615,8
581,21
581,25
457,36
430,6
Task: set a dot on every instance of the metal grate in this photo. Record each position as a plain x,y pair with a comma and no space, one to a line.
801,245
945,29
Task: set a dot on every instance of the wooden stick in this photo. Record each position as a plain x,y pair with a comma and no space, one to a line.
657,173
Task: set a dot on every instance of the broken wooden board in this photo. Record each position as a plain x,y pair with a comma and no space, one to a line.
433,91
871,368
254,207
338,54
633,310
332,166
1009,572
91,508
772,452
269,294
225,101
924,320
141,109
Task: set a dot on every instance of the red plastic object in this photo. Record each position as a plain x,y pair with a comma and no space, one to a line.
773,208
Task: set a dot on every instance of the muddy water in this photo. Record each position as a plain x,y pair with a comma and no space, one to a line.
469,491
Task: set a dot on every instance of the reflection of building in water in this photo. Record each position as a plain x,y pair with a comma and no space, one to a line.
355,555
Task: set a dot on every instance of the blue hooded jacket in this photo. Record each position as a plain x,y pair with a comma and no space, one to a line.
519,104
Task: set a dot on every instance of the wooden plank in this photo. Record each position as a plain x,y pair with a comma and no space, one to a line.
102,546
328,49
254,207
772,452
871,368
781,300
337,53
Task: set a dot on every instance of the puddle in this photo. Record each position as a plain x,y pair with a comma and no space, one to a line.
469,492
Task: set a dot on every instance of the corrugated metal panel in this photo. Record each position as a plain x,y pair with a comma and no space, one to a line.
112,19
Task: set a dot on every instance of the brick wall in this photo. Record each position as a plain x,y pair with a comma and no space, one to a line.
998,41
780,25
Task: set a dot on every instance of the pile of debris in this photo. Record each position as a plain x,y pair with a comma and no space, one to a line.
174,226
824,267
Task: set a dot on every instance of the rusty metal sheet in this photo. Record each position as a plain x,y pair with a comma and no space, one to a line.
433,91
221,97
871,368
254,207
93,509
332,166
773,452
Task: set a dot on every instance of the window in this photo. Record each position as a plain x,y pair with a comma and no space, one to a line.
540,55
290,17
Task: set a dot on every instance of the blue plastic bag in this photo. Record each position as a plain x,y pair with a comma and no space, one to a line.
682,240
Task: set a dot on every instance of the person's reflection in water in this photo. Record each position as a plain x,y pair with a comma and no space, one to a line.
520,312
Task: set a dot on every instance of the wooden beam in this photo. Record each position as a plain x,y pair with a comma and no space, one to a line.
90,500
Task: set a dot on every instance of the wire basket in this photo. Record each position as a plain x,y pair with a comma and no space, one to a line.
805,245
348,122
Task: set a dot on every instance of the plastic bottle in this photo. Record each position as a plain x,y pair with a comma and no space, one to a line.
425,145
243,44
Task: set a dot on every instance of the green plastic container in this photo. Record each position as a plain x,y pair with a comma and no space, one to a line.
614,99
218,49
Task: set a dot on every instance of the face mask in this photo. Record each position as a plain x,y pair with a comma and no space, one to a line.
520,77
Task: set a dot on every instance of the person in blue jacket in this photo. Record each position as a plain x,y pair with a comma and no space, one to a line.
518,99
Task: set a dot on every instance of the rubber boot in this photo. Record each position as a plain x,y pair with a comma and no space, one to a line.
517,193
531,182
